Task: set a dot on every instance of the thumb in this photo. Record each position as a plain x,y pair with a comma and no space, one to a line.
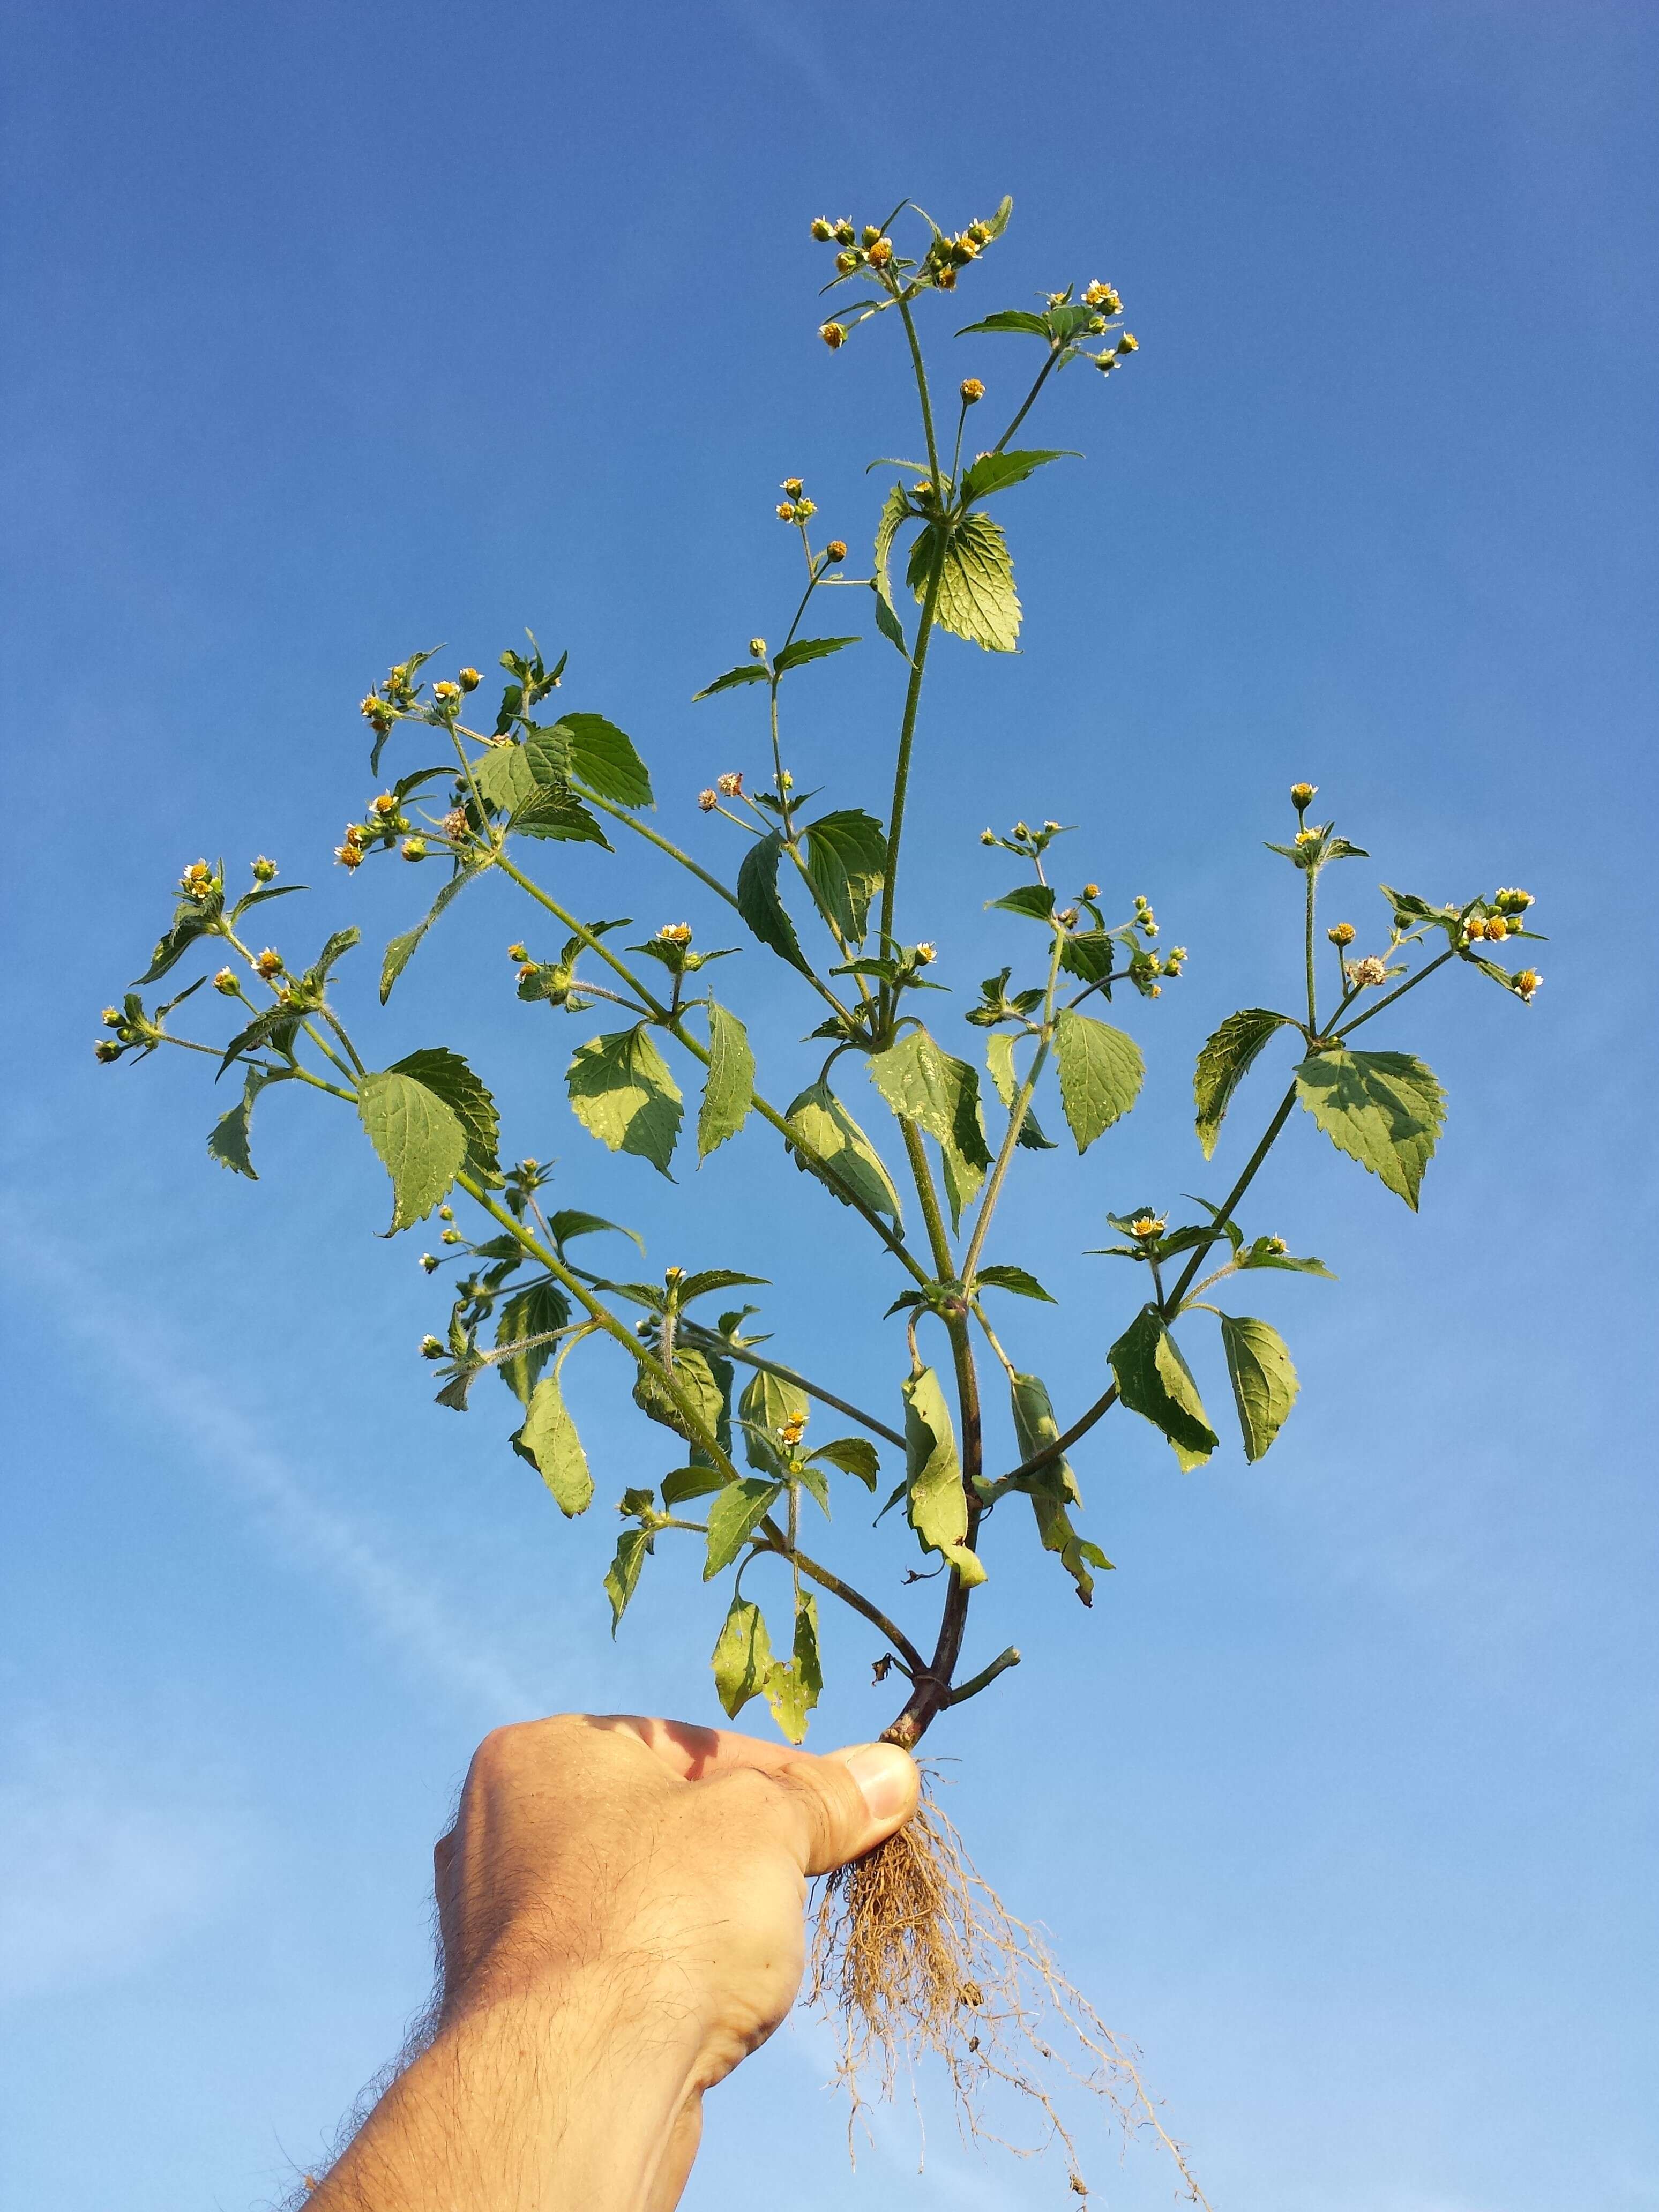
851,1799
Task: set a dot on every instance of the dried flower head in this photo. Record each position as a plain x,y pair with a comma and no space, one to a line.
730,786
453,824
708,799
1364,975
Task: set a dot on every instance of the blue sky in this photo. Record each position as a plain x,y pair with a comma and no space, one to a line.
336,331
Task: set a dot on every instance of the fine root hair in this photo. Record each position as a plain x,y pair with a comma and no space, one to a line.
915,1955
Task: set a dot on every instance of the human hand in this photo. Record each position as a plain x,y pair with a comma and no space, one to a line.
621,1908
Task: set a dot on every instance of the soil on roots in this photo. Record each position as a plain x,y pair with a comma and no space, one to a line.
915,1954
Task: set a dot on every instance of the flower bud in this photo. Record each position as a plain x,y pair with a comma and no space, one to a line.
979,233
413,849
106,1049
1302,796
263,870
1128,343
431,1347
111,1018
793,486
225,981
470,679
845,233
1513,901
835,551
757,648
1344,933
268,963
1092,890
429,1261
806,509
517,952
451,1236
972,391
708,800
1526,983
445,1213
926,955
881,252
822,230
988,836
1053,829
833,334
847,262
1020,829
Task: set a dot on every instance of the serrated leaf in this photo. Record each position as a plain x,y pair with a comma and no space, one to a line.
976,597
549,1440
822,1122
1101,1071
1154,1381
228,1141
1223,1063
893,515
809,648
686,1483
994,472
924,1083
622,1576
1036,900
448,1077
1088,954
695,1373
1384,1109
190,922
751,672
766,1404
570,1221
761,906
741,1657
606,759
554,811
420,1140
398,952
1009,318
853,1456
740,1507
1052,1487
937,1504
730,1089
620,1091
713,1278
792,1688
1262,1253
527,1315
260,893
846,860
504,777
1264,1381
1013,1278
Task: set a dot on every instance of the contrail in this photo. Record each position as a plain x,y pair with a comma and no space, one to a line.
228,1449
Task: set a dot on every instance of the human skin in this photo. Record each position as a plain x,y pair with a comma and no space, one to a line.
621,1908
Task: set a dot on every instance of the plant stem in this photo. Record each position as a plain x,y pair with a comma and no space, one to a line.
922,1174
1410,984
1016,1120
707,1339
655,837
1031,400
771,1538
1313,1017
986,1676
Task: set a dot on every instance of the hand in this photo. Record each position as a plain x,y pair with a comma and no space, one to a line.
621,1908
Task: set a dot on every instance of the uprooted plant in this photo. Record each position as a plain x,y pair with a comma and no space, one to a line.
912,1950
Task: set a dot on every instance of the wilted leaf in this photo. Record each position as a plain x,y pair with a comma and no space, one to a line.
793,1687
1052,1488
940,1094
937,1504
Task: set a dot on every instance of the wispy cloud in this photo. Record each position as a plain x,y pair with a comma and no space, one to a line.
137,1356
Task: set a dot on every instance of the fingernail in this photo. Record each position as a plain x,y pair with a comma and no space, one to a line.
885,1777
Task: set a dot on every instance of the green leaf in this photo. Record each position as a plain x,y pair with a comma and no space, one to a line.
893,515
1036,900
809,648
527,1313
1013,1278
398,952
937,1504
448,1077
940,1094
1100,1074
999,1059
1223,1063
713,1278
623,1578
853,1456
605,760
741,1657
420,1138
571,1221
260,893
688,1482
1263,1253
1052,1488
554,811
993,472
1009,318
766,1403
228,1142
1264,1381
548,1438
1087,954
822,1122
1383,1109
622,1092
976,597
792,1688
730,1089
739,1507
1154,1381
761,906
846,860
505,778
696,1377
751,672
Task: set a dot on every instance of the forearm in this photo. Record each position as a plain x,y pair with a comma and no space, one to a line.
524,2106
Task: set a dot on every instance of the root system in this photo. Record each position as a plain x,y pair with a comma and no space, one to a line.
913,1955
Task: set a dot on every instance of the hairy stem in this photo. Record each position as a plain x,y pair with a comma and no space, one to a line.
771,1538
706,1339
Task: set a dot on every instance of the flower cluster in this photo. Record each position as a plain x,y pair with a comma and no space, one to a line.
794,506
